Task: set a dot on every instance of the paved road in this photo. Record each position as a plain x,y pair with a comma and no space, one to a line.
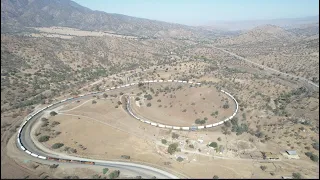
265,67
143,170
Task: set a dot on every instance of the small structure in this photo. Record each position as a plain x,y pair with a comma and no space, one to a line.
291,154
269,156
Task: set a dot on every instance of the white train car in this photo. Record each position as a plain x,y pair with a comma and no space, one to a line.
41,157
141,120
148,122
179,81
23,148
186,128
161,125
160,80
184,81
107,89
215,124
175,80
112,88
190,82
198,83
28,152
132,84
154,124
34,155
169,80
169,127
145,81
175,127
200,127
209,126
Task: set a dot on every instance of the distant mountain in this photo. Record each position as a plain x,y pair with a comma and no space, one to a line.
249,24
18,14
305,29
260,34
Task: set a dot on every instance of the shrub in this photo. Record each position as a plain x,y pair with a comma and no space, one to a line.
105,95
53,166
125,156
172,148
219,138
94,101
215,177
179,159
55,123
164,141
137,99
296,175
53,113
149,105
315,145
199,121
116,106
119,103
263,167
121,93
213,144
44,138
184,110
159,100
114,174
57,145
175,136
191,146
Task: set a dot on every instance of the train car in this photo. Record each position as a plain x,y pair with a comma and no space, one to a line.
87,162
28,152
175,80
141,120
184,81
180,81
198,83
161,125
132,84
76,161
169,127
112,88
175,127
122,86
23,148
208,126
193,128
41,157
169,80
64,160
186,128
53,159
34,155
154,124
160,80
148,122
215,124
190,82
200,127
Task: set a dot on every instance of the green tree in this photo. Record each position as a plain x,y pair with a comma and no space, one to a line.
213,144
53,113
172,148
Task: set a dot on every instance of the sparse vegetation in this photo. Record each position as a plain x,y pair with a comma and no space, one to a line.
172,148
44,138
57,145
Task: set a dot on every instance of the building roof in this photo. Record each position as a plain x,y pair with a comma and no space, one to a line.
270,155
292,152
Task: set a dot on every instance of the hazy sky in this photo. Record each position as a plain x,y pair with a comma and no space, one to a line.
197,12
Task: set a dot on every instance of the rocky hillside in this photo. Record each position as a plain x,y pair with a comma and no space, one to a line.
18,14
260,34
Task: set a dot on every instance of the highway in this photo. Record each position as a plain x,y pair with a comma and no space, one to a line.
143,170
